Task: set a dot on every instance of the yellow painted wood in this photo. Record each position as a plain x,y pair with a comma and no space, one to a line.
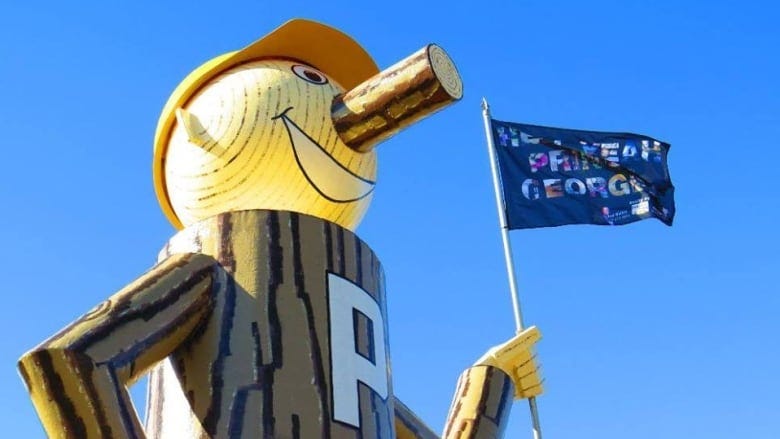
265,140
516,358
397,97
196,134
232,326
248,159
262,365
306,41
480,408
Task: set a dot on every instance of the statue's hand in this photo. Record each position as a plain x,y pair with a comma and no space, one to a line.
515,357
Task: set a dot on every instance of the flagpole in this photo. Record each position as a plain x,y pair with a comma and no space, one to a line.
510,265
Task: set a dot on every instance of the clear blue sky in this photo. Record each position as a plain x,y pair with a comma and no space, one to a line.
649,331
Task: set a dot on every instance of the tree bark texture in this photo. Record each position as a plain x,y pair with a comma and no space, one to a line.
480,408
261,366
396,97
78,378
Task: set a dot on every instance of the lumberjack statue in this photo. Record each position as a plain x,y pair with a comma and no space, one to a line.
266,315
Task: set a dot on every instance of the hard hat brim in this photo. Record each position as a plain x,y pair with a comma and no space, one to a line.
316,44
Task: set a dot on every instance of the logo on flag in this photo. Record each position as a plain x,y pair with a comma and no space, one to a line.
554,176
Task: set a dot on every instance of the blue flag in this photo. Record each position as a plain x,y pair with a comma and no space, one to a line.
554,176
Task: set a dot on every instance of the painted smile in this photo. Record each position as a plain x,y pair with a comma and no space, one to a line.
334,181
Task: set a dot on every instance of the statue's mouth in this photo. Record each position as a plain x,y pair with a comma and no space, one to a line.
331,179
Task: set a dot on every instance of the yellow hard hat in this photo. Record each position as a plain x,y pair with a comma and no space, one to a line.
316,44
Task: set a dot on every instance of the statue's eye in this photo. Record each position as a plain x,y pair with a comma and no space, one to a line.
309,74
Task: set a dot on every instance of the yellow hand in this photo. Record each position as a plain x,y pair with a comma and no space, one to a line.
515,357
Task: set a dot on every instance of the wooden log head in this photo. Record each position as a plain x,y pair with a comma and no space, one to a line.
288,123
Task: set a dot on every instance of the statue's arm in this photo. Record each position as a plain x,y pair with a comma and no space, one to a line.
78,378
484,395
483,399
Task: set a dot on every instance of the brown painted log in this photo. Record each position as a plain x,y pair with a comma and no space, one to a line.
263,365
77,379
248,328
481,405
398,96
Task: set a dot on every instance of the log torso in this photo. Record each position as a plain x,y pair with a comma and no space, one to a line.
262,365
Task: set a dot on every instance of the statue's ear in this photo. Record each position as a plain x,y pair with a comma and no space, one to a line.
196,134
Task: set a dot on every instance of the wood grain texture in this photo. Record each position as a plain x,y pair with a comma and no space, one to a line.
245,157
398,96
77,379
480,408
239,305
261,367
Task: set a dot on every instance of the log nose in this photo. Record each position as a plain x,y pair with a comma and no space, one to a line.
396,97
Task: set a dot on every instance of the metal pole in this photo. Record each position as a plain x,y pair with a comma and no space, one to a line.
510,265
